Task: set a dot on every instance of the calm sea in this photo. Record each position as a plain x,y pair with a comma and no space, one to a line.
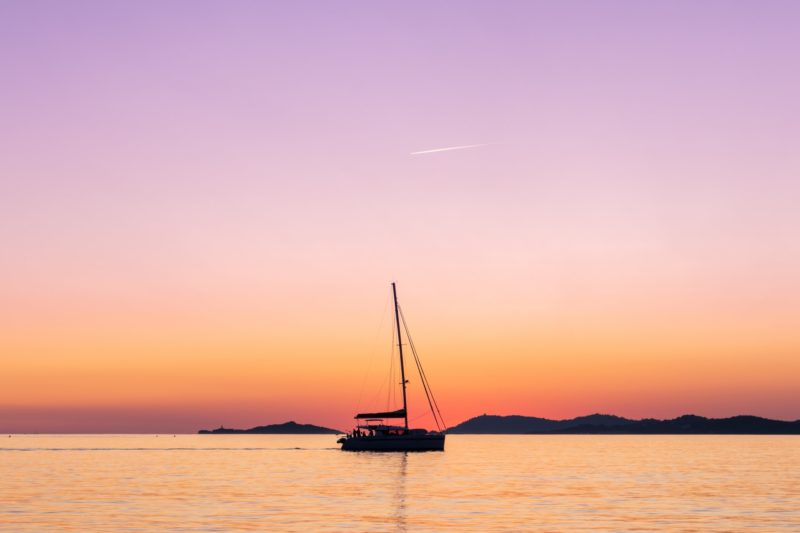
481,483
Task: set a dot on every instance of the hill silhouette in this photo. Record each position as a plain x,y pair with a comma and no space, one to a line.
291,428
610,424
495,424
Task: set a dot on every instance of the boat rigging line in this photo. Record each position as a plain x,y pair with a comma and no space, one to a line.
437,414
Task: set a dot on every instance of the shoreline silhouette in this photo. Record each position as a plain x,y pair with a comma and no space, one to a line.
611,424
287,428
595,424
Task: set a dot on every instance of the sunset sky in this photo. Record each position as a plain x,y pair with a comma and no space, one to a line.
203,204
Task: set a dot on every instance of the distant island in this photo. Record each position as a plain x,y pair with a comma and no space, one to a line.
609,424
289,428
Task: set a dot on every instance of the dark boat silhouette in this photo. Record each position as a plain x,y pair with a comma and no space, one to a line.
373,434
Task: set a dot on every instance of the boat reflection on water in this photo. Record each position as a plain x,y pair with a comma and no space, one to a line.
400,494
377,436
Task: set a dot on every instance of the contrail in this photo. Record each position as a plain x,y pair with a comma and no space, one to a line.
462,147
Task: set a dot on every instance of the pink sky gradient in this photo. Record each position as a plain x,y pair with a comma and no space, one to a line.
202,204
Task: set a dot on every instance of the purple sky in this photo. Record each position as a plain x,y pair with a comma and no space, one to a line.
162,161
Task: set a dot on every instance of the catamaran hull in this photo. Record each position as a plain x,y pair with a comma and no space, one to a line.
411,443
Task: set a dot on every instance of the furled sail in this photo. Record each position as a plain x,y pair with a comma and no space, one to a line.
400,413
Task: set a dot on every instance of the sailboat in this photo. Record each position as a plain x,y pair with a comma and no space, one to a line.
373,433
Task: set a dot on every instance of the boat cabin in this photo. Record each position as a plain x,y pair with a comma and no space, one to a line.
375,427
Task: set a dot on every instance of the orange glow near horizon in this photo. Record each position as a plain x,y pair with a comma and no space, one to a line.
187,368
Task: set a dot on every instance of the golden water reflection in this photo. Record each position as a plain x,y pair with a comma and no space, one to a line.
481,483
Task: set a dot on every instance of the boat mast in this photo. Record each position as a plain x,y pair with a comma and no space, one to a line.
400,345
